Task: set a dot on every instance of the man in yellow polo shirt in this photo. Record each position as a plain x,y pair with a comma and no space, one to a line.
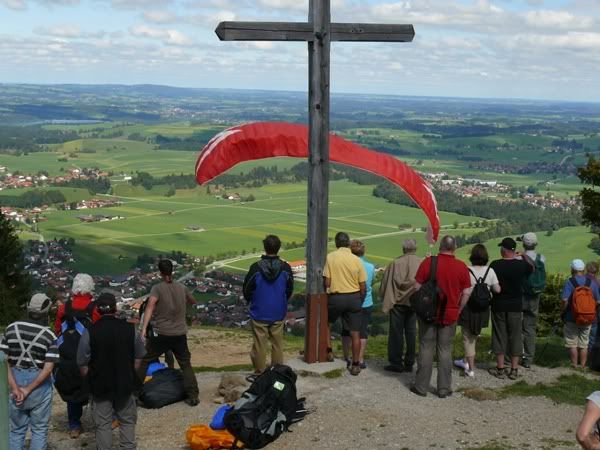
345,279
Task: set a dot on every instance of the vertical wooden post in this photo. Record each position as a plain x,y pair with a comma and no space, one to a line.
318,180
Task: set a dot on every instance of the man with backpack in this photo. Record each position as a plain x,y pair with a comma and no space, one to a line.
507,307
532,290
267,287
447,280
580,296
31,353
108,354
72,319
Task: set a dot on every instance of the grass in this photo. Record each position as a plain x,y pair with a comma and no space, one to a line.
571,389
231,368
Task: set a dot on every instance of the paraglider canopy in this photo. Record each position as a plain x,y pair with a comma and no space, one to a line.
271,139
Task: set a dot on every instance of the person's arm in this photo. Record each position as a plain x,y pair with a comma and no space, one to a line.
529,261
139,349
289,287
84,352
42,376
464,298
16,392
249,285
189,298
326,283
148,314
496,288
59,316
363,289
585,432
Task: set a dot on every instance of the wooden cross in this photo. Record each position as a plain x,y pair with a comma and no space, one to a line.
318,32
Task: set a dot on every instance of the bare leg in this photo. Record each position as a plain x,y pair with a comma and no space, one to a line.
500,360
355,335
573,356
346,344
471,362
363,347
514,362
583,354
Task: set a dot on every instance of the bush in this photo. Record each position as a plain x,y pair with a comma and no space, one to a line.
551,305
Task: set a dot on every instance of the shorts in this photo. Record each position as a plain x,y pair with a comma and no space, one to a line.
576,336
507,333
364,326
346,306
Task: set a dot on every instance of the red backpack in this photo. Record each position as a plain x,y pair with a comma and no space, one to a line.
583,303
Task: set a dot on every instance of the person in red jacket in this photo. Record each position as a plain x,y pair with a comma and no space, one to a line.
453,281
82,303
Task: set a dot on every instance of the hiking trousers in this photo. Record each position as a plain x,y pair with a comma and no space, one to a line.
403,327
158,345
531,307
125,411
266,334
435,339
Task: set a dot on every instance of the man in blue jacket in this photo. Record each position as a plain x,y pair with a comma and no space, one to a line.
267,287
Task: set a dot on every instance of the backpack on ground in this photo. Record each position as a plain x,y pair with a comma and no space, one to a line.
425,301
69,383
165,388
481,296
266,409
583,303
536,282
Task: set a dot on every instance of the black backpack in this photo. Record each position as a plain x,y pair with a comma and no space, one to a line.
69,383
266,409
165,388
425,300
481,296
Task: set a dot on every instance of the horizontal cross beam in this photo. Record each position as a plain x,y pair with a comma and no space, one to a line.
304,31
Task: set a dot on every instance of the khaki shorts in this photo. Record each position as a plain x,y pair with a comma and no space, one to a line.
576,336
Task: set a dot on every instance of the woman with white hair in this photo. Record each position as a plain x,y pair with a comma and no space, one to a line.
80,307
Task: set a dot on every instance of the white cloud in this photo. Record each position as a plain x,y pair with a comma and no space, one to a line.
170,37
160,16
21,5
563,20
67,31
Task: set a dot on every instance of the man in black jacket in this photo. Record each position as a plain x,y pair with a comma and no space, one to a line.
267,287
109,354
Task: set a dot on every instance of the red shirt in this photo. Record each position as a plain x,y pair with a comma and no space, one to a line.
452,276
80,302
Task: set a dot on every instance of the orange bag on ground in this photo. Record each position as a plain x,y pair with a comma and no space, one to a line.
203,437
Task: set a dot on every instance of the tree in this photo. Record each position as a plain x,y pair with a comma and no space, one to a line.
590,197
171,192
15,286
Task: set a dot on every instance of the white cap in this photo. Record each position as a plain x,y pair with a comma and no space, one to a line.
578,265
39,303
529,239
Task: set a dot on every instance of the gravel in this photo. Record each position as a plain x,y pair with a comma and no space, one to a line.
374,410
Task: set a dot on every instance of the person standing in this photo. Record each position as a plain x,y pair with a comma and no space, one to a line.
580,295
452,277
166,310
396,287
344,279
358,248
268,286
591,271
532,290
79,309
472,320
31,351
507,307
108,354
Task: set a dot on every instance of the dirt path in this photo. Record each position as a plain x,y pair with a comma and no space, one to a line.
374,410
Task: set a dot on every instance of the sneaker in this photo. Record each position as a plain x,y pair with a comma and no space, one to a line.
525,363
192,401
392,368
497,372
348,363
330,357
461,363
355,369
444,394
513,374
469,373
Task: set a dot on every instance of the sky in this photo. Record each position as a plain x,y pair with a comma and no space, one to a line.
544,49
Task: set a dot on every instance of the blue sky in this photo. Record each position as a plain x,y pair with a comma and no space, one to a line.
546,49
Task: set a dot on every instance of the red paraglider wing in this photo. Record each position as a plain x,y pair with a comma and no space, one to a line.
269,139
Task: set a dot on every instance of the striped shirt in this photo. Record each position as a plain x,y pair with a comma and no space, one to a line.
28,345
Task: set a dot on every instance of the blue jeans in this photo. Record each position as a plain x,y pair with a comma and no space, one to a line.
74,413
33,413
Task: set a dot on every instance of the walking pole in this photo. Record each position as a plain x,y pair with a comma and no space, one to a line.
3,402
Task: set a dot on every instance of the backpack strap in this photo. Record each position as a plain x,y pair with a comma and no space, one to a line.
68,311
573,281
588,282
486,273
89,310
433,269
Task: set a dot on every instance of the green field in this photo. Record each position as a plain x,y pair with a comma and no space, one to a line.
158,224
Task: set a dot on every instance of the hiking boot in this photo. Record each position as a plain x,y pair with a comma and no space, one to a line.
363,365
513,374
75,433
444,394
355,369
497,372
414,390
525,363
330,357
192,401
348,363
393,368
